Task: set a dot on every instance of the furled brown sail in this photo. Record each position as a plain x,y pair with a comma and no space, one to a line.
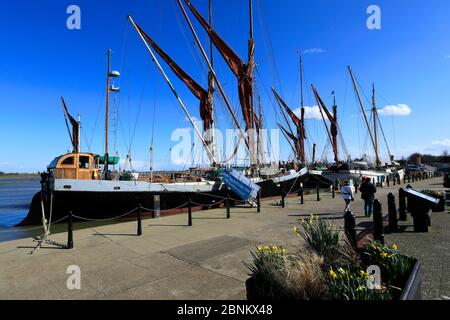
74,137
242,71
197,90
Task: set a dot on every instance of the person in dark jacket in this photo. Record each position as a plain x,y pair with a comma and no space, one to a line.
368,191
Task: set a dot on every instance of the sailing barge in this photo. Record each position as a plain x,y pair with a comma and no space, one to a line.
83,184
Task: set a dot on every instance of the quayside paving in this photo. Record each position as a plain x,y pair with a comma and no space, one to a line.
173,261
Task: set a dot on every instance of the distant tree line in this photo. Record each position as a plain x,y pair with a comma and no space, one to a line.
428,158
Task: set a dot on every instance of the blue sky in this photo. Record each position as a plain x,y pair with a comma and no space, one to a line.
41,60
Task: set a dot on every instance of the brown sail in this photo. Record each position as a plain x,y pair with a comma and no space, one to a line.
299,123
74,137
201,94
242,71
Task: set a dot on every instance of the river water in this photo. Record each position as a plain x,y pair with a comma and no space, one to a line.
15,199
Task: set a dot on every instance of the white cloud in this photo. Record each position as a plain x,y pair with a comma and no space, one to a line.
397,110
313,51
444,143
310,113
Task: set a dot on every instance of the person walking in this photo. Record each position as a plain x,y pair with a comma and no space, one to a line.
347,195
368,191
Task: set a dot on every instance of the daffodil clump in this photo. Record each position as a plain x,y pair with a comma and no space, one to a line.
351,284
395,267
320,237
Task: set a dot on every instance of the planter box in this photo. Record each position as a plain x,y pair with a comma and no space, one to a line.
411,291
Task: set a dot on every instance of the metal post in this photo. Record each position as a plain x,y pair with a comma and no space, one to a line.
350,228
258,202
388,182
228,206
356,188
282,198
378,234
302,196
318,194
139,220
333,194
404,179
190,212
393,222
70,231
394,181
402,205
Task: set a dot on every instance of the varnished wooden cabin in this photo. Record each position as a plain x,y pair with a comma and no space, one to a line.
80,166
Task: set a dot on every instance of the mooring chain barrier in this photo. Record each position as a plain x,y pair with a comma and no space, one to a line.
153,210
108,219
209,204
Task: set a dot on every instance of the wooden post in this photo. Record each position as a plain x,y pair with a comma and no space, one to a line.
378,234
402,205
350,228
190,212
70,231
393,222
139,220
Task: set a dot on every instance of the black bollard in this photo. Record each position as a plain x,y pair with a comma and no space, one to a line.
333,195
402,205
302,196
378,234
190,212
393,222
228,206
409,179
356,188
258,202
394,181
70,231
404,179
318,194
350,228
139,220
388,182
282,198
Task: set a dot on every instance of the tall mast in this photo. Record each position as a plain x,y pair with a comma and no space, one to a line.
250,68
374,112
107,109
161,70
362,108
216,79
301,79
211,82
334,131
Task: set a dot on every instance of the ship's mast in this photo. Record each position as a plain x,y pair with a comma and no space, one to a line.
375,132
302,133
216,79
251,67
211,85
108,71
362,108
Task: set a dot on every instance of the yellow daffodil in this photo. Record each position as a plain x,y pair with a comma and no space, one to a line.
266,248
283,251
394,247
384,255
274,249
360,288
373,246
333,274
363,274
295,229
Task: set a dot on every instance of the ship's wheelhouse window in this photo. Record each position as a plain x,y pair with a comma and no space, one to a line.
68,161
84,162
